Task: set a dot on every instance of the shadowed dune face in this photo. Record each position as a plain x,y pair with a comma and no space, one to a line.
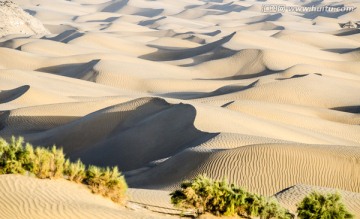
167,55
128,135
10,95
170,89
81,71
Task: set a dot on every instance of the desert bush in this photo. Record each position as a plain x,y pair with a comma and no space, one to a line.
272,209
44,163
322,206
220,198
48,163
11,155
107,182
75,171
15,158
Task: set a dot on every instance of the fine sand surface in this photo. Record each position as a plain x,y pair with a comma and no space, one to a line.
25,197
167,90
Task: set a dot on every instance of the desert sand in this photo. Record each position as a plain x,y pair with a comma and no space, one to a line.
167,90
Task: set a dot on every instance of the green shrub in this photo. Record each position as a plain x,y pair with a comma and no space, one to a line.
272,209
322,206
51,163
48,163
11,156
75,171
220,198
107,182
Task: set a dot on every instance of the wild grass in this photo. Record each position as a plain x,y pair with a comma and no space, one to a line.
317,205
19,158
221,199
107,182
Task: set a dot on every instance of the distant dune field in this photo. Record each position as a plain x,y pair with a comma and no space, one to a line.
167,90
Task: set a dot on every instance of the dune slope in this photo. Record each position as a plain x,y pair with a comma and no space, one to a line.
167,90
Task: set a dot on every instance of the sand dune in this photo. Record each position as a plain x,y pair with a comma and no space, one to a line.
250,166
170,89
25,197
116,125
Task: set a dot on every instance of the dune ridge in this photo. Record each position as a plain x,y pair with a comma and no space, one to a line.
168,89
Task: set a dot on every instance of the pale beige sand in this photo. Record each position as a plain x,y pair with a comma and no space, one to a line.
170,89
26,197
261,168
156,200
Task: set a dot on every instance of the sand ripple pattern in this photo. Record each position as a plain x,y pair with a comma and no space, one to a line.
167,90
25,197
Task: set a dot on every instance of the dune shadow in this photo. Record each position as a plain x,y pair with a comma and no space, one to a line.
228,7
114,7
292,77
313,3
160,135
348,109
26,126
112,136
3,117
10,95
109,20
314,14
343,50
31,12
66,36
218,92
246,76
149,12
151,21
347,32
273,17
218,53
84,71
168,55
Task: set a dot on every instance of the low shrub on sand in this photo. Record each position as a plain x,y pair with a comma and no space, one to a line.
75,172
17,158
47,163
318,206
13,157
221,199
107,182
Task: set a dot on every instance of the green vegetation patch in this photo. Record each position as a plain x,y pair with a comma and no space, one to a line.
322,206
221,199
44,163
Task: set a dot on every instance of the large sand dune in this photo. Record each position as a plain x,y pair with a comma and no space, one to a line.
25,197
169,89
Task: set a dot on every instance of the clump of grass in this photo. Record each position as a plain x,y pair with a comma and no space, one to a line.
318,205
48,163
75,171
15,158
12,156
221,199
107,182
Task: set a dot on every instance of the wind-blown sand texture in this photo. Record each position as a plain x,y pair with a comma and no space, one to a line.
167,90
25,197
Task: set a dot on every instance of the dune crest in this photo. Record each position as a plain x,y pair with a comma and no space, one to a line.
266,96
